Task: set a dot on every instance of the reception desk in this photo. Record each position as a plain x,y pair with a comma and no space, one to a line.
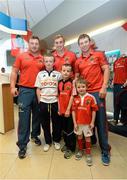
6,108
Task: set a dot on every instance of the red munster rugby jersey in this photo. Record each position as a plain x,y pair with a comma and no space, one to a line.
29,66
83,107
65,91
68,58
90,69
48,83
120,70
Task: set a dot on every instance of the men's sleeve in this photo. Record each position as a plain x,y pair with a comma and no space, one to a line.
76,67
102,59
74,61
17,63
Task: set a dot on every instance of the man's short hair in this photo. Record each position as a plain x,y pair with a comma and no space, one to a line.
35,37
83,36
48,54
59,36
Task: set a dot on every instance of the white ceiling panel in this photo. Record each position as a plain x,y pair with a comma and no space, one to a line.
52,4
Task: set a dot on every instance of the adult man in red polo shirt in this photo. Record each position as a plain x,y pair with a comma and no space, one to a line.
61,54
93,66
29,64
120,84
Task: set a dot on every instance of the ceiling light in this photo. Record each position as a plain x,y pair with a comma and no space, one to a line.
99,31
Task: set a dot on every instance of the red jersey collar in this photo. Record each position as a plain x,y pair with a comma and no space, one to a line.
90,53
37,56
57,55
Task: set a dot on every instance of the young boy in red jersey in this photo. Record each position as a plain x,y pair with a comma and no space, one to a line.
65,98
84,112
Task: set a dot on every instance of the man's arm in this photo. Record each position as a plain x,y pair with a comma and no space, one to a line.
106,71
13,79
93,119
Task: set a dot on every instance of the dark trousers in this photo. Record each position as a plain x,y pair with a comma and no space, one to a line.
117,91
27,102
101,124
68,132
50,112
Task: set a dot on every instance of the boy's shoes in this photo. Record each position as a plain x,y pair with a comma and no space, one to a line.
46,147
22,153
105,159
57,145
79,155
64,148
119,124
68,154
36,140
89,160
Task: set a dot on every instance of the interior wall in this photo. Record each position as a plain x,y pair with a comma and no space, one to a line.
110,40
6,45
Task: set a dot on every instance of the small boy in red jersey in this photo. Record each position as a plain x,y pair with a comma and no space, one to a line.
65,88
84,112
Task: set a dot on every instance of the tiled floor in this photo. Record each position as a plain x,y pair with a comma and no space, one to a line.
51,165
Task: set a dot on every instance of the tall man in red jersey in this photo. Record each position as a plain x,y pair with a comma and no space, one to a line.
120,84
93,66
61,54
29,64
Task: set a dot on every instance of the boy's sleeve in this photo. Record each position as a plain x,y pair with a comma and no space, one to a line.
94,105
59,76
73,105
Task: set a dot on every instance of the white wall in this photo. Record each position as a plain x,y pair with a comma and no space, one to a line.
111,40
6,45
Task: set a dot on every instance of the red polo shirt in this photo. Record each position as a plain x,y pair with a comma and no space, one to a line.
90,68
65,92
29,66
83,108
68,57
120,70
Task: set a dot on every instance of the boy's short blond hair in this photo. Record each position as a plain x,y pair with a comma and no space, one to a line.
48,55
81,80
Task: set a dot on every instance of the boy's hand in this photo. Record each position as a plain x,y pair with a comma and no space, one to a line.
91,125
103,92
75,127
67,113
59,113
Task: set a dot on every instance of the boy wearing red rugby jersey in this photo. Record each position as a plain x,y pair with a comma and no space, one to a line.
84,112
65,97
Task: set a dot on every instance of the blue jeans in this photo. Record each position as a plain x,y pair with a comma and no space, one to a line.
101,123
27,102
